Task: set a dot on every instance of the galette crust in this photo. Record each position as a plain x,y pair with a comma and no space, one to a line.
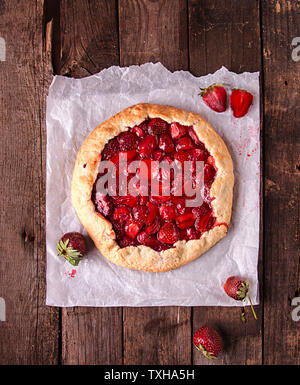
101,231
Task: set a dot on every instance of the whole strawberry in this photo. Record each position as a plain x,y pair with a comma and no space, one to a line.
208,341
240,101
238,288
215,97
72,247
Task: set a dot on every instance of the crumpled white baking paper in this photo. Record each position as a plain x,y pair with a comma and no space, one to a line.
74,108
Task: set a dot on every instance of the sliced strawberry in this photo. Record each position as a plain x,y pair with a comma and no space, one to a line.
215,97
154,227
166,143
122,214
127,141
182,156
140,213
146,146
205,222
167,212
200,155
128,200
156,126
132,228
177,130
240,101
194,136
184,143
111,149
185,221
123,155
168,233
209,172
153,212
200,211
148,240
138,131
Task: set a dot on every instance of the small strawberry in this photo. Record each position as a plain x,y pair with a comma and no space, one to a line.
156,126
146,146
167,212
208,341
184,143
127,141
184,221
166,143
132,228
72,247
177,130
237,288
215,97
168,233
240,101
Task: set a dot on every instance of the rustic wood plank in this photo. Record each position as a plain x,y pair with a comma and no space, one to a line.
30,333
281,23
155,31
152,31
86,43
92,336
89,37
227,33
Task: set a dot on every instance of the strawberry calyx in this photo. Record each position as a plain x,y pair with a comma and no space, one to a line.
209,88
243,290
73,256
206,353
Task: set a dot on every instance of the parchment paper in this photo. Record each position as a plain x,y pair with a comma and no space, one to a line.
74,108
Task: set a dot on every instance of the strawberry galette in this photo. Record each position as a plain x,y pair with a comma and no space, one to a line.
153,226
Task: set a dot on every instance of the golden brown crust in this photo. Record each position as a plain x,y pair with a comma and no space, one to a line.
100,230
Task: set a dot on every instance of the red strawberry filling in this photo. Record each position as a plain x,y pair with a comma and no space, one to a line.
159,220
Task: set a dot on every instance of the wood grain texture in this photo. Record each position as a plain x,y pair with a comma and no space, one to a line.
227,33
152,31
155,31
88,37
87,43
92,336
281,23
30,333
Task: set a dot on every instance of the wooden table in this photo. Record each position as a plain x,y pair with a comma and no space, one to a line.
79,38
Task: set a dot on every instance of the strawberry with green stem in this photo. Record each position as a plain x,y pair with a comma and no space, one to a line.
208,341
72,247
215,97
238,288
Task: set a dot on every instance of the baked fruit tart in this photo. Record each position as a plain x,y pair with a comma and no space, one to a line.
145,230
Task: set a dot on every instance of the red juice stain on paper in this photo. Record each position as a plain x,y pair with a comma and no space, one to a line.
72,274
